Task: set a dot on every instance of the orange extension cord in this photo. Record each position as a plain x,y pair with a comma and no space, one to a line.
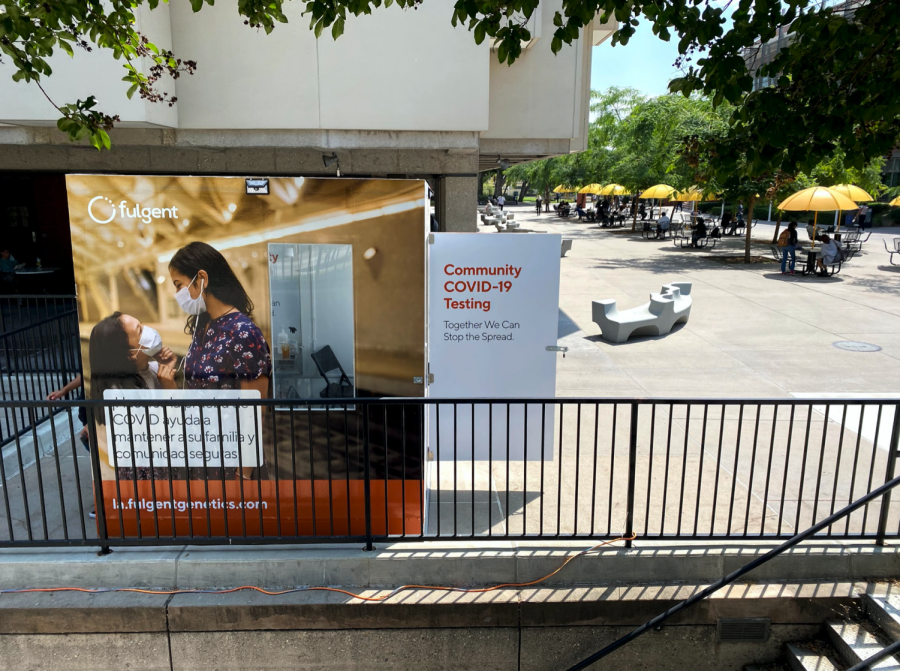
402,588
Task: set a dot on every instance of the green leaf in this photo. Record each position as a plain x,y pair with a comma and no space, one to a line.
338,28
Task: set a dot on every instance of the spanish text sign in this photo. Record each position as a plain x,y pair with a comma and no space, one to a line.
493,311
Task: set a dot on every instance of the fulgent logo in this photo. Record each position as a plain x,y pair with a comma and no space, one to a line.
96,211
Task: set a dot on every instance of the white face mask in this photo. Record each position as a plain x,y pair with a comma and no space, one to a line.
150,342
192,306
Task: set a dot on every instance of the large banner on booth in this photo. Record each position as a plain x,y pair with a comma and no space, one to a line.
212,288
493,322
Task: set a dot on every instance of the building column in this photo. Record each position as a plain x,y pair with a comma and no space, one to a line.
457,200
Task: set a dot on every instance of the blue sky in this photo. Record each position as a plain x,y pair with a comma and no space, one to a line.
645,63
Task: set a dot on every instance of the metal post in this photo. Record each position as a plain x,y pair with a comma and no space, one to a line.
367,481
891,473
632,468
99,503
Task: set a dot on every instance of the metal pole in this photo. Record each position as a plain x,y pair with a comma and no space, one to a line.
731,577
632,468
891,472
877,657
368,480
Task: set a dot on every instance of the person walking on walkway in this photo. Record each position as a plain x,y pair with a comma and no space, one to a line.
501,201
788,243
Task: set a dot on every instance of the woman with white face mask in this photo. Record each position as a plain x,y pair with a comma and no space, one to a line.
228,350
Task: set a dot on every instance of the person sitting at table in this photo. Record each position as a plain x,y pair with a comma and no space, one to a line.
662,225
811,229
580,212
735,224
829,254
726,221
642,211
698,232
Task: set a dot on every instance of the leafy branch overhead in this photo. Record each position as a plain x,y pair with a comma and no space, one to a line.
831,69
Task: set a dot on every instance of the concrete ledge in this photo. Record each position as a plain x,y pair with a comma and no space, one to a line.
463,565
80,613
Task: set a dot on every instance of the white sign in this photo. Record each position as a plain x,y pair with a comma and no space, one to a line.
168,434
493,311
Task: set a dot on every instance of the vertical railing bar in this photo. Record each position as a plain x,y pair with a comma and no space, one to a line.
421,492
40,477
700,477
872,464
665,484
59,484
715,508
803,465
456,466
559,472
328,452
734,470
205,466
294,469
684,453
752,473
862,411
472,457
312,471
387,477
5,488
632,472
762,527
837,466
577,465
506,514
524,477
367,481
259,463
891,471
152,474
594,471
650,468
543,449
821,459
77,476
272,410
437,414
100,510
787,459
169,470
223,478
403,471
112,434
187,478
612,468
134,474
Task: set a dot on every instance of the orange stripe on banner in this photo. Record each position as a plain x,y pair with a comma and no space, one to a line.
245,502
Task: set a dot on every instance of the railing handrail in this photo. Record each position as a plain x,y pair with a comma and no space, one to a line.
429,400
756,563
45,296
41,322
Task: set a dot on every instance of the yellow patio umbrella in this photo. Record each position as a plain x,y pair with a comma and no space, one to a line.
659,191
593,189
614,190
562,188
895,202
816,199
852,192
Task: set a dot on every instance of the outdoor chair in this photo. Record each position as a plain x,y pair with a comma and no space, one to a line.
647,230
326,362
895,250
853,240
685,239
669,307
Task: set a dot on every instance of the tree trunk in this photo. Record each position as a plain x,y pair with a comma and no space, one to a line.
749,228
777,226
498,183
634,218
523,190
546,200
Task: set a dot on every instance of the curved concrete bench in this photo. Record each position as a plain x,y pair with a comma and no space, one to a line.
669,307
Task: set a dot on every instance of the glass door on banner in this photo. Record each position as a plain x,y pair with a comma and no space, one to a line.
313,339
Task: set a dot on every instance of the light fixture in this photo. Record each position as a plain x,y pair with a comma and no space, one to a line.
232,207
161,279
370,253
257,186
504,163
332,160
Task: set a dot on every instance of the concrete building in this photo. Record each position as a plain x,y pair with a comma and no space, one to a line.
401,93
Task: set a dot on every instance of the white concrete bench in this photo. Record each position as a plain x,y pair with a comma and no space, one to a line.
669,307
566,246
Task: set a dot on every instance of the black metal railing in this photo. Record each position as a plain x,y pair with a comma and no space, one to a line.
39,353
370,470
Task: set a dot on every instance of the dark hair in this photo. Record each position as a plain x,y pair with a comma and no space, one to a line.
793,223
812,222
223,284
111,364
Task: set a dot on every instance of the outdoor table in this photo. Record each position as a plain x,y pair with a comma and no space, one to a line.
811,256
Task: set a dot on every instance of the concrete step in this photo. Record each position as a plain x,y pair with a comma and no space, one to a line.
885,612
855,643
801,658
